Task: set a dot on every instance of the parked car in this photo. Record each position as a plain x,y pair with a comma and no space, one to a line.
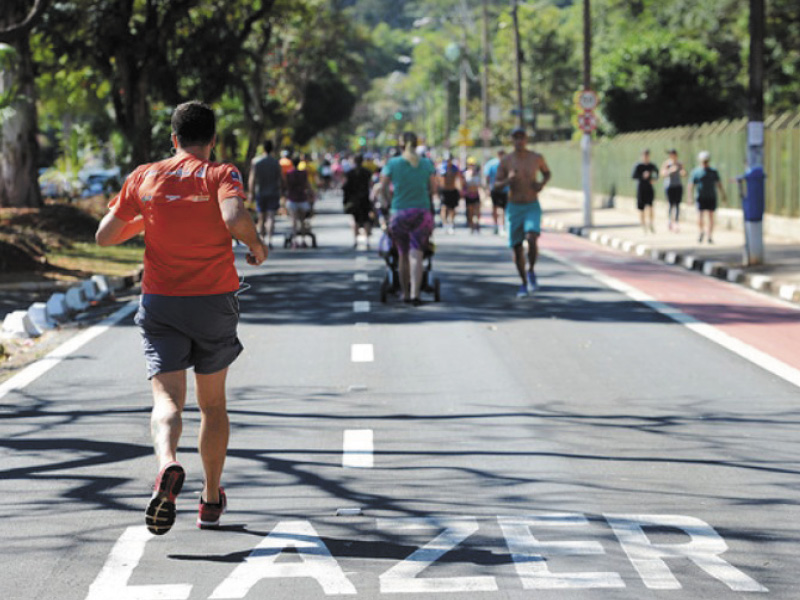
100,181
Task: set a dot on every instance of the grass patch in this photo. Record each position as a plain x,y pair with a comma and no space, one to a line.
91,258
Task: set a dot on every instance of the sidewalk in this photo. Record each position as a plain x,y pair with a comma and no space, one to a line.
619,227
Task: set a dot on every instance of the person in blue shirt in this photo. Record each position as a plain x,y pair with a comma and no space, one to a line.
703,185
411,212
500,196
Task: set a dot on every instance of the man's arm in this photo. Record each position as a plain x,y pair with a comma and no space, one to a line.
113,230
240,224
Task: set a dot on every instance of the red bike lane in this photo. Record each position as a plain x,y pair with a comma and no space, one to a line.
767,325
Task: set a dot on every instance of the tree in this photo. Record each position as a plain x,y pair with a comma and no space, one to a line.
19,185
127,44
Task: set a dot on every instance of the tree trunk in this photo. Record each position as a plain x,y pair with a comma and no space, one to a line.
19,185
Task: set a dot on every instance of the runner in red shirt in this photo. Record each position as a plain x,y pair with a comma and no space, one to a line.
188,209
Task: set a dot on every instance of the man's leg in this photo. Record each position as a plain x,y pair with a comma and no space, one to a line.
701,224
533,248
710,225
519,261
166,424
214,430
270,225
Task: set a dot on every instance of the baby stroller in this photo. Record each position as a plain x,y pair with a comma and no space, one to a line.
391,279
297,239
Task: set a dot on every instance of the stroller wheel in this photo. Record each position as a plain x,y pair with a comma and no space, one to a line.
437,290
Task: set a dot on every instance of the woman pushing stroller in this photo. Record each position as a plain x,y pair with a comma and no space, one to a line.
411,212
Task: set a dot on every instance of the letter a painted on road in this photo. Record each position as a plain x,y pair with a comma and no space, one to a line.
317,563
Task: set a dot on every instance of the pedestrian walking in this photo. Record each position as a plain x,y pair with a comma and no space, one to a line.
520,171
472,194
645,172
188,207
704,183
672,172
411,217
450,184
499,196
357,201
265,185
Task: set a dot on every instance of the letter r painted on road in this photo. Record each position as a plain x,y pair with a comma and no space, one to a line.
703,549
316,563
529,554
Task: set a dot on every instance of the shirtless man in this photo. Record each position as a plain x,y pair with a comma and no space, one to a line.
519,171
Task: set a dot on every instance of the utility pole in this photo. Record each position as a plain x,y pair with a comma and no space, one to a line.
753,204
485,134
518,50
463,93
586,141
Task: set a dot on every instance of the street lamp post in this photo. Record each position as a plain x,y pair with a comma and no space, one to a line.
518,51
485,81
586,141
754,209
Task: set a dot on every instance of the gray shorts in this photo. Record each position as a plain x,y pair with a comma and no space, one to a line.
179,332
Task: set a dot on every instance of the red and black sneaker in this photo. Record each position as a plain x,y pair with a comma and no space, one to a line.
208,514
160,514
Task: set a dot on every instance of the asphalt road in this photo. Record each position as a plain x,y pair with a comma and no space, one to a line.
578,444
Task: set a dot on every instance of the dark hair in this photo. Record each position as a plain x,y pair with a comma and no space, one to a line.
409,138
296,160
268,146
358,159
194,124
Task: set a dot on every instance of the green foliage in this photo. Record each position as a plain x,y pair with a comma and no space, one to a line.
653,81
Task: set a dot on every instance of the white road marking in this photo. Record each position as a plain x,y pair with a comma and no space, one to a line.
358,449
746,351
32,372
361,306
362,325
360,277
402,578
315,562
361,259
362,353
530,555
703,549
112,582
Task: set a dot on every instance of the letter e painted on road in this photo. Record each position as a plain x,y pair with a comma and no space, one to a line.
112,582
316,562
530,555
703,549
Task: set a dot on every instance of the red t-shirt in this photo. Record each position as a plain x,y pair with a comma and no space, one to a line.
187,245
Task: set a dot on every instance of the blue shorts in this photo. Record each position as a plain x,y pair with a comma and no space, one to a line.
179,332
522,219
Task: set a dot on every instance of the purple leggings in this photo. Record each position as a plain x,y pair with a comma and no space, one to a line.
410,229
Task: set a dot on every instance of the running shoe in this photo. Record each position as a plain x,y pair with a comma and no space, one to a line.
160,514
531,281
208,514
522,292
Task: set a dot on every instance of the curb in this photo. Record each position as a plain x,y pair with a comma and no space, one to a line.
67,303
758,282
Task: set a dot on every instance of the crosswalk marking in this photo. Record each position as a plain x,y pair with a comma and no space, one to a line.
362,353
357,449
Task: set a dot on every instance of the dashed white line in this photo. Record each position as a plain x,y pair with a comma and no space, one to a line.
361,306
360,277
362,353
358,449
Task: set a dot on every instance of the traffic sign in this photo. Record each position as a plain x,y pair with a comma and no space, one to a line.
586,99
587,121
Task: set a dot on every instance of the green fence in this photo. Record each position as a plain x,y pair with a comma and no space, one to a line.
613,159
